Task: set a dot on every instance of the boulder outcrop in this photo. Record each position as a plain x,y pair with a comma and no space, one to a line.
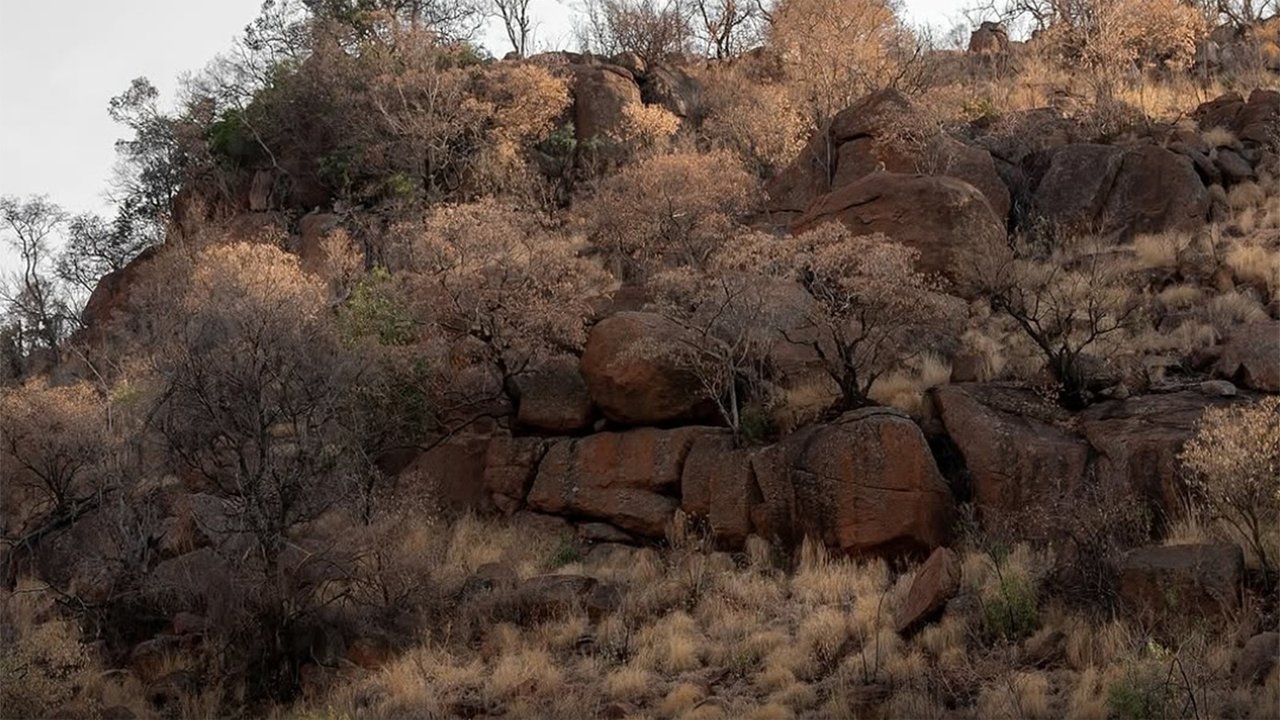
941,217
1251,356
630,479
1110,189
632,379
1013,443
1182,580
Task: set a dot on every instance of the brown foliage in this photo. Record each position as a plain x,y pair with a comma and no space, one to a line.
668,210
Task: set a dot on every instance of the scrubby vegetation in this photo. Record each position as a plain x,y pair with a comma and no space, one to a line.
768,361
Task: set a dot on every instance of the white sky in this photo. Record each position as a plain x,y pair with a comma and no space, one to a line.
60,62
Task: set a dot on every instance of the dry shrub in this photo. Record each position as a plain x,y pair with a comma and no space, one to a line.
757,120
1234,461
823,633
1224,312
670,209
1216,137
43,664
1177,297
1161,251
673,644
1255,265
628,683
821,579
1020,696
1245,196
526,673
647,127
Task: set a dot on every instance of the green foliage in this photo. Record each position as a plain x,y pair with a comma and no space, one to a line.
401,187
566,552
1141,695
376,309
755,424
336,169
561,142
231,141
1013,612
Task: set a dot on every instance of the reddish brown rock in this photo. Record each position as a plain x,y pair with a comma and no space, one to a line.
452,474
1137,442
939,216
1012,442
629,479
630,377
1182,580
1251,356
862,141
1258,657
111,295
936,582
1255,121
1110,189
718,484
554,397
600,93
865,484
509,468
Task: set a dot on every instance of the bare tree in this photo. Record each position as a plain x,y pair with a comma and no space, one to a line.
1073,303
727,27
653,29
514,15
33,298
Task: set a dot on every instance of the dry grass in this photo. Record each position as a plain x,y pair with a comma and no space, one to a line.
1255,265
905,388
1161,251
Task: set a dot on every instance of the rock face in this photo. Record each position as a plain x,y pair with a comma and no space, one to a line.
939,216
1137,442
861,142
1104,188
1012,443
936,582
1251,357
1260,654
630,479
865,484
718,483
111,295
629,377
1254,122
600,93
554,398
510,466
1179,580
452,474
989,39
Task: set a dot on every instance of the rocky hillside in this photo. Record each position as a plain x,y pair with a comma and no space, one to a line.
626,386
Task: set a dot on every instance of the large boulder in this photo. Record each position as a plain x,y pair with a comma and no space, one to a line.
1181,580
1109,189
1255,121
1251,356
630,479
451,475
1136,443
600,94
670,87
990,38
864,484
941,217
554,397
867,138
633,377
111,295
509,468
718,484
1013,444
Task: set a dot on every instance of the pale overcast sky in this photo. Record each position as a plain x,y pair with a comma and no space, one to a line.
60,62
